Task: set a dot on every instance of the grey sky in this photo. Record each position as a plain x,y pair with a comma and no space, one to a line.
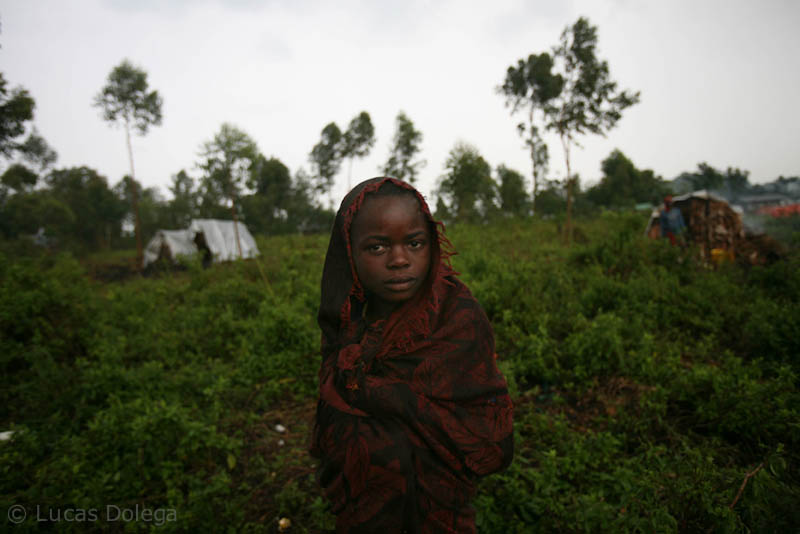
718,79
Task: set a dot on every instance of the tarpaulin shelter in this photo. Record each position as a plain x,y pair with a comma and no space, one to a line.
169,244
215,238
220,239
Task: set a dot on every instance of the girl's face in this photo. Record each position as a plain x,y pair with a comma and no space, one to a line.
391,250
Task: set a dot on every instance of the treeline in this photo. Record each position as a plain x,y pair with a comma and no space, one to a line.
567,91
470,191
79,209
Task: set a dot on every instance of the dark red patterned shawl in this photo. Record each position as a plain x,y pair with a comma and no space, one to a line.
412,409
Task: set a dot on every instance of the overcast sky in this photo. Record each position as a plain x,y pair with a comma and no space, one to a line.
719,79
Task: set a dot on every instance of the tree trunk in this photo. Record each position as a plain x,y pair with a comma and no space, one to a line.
533,162
134,201
568,223
535,180
236,226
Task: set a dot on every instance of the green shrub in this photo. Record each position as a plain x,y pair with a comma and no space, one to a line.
647,387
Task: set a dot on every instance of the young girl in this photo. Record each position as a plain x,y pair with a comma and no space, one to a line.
412,407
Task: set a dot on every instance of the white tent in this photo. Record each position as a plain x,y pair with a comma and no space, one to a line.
218,236
171,244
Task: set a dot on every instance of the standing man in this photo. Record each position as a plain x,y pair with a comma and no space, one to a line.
671,220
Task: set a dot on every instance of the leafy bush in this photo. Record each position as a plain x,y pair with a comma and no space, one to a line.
652,394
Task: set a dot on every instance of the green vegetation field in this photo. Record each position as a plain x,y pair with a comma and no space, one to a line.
652,394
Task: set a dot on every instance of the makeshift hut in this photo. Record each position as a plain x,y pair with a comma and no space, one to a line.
711,223
217,240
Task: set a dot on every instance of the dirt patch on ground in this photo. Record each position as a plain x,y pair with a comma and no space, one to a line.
590,410
116,271
275,461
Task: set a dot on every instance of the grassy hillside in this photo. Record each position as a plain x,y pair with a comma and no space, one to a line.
652,394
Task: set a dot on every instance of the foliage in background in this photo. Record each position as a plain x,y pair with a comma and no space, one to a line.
228,161
126,99
623,185
326,158
533,85
358,140
589,101
334,146
16,111
514,200
467,191
404,150
651,394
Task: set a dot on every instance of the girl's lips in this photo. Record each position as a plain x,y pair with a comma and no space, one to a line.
400,284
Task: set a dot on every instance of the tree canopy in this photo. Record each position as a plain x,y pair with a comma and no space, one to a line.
184,203
531,85
405,146
16,109
97,212
623,185
227,161
126,99
16,114
468,190
514,200
326,158
358,140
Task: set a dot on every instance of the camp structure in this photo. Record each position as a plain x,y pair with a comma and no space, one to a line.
717,229
169,244
219,238
215,239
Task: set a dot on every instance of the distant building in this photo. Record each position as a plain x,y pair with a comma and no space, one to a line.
751,203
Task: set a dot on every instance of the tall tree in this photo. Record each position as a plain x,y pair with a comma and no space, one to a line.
16,109
589,101
97,211
267,208
514,201
358,140
183,205
16,112
405,145
28,211
228,160
531,86
623,185
23,209
19,178
127,100
737,181
271,178
304,213
326,158
706,177
37,152
467,189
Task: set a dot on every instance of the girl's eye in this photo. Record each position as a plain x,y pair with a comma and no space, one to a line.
375,249
416,244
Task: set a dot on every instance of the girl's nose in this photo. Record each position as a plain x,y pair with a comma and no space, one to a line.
398,257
